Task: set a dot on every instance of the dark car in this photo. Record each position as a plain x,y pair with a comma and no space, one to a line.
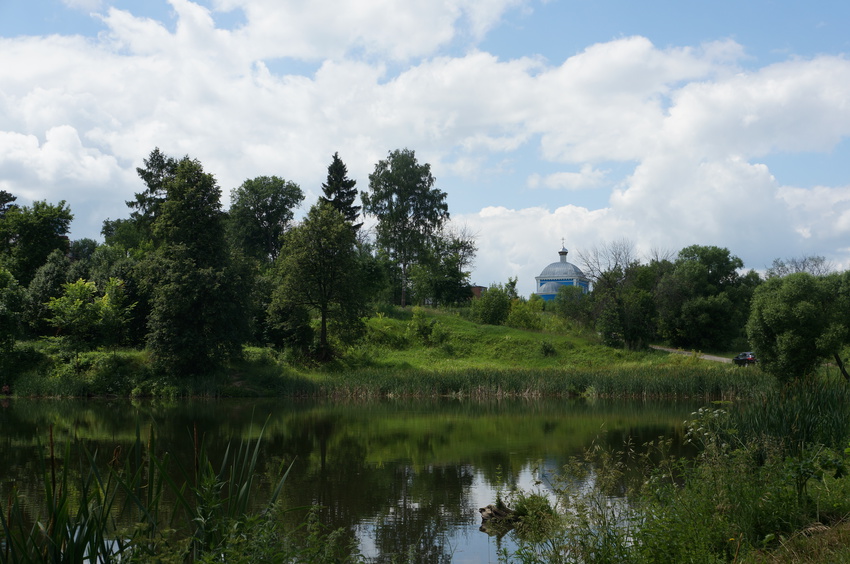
745,359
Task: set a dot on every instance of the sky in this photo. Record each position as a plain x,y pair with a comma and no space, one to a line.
661,123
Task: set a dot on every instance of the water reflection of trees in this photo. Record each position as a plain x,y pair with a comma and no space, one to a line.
395,474
399,508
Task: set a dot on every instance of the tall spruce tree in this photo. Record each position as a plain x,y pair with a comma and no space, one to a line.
340,192
158,170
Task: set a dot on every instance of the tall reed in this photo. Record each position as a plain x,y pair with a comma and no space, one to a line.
97,514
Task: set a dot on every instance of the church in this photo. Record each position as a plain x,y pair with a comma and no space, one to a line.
561,273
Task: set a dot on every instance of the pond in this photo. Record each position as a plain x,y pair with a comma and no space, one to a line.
393,474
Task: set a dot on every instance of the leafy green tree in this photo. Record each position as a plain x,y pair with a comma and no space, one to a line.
198,297
571,302
80,253
798,321
319,269
11,301
341,193
622,302
127,234
115,313
75,315
47,283
525,314
260,212
410,211
29,234
443,276
86,319
703,301
113,261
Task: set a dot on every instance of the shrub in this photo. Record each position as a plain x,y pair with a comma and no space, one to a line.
493,307
526,315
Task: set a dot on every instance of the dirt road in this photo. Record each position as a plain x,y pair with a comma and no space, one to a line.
680,351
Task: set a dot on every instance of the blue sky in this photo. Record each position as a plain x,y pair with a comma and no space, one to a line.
661,123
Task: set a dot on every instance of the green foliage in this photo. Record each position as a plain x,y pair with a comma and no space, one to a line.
7,201
199,307
86,319
260,212
441,277
526,314
623,303
571,302
29,234
158,171
410,211
94,373
11,301
340,192
319,269
198,319
797,415
493,307
703,302
47,283
744,490
288,325
126,234
798,321
190,217
75,315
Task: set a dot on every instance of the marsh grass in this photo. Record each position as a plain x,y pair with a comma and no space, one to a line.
767,471
136,510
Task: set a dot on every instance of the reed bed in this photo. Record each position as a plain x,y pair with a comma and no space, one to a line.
145,507
645,382
768,469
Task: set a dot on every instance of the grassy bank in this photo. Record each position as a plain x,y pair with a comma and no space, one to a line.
409,353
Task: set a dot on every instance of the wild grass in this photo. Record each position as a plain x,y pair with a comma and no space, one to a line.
769,471
415,353
141,509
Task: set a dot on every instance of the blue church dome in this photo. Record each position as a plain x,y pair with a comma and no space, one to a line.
561,273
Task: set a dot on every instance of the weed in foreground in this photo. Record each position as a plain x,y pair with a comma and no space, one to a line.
136,511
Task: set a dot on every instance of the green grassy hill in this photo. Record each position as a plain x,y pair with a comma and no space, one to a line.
405,352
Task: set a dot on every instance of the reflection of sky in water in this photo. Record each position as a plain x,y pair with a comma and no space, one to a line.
466,544
395,474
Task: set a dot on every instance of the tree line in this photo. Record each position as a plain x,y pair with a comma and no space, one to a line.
701,298
193,283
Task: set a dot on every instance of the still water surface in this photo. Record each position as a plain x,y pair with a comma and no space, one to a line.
393,474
